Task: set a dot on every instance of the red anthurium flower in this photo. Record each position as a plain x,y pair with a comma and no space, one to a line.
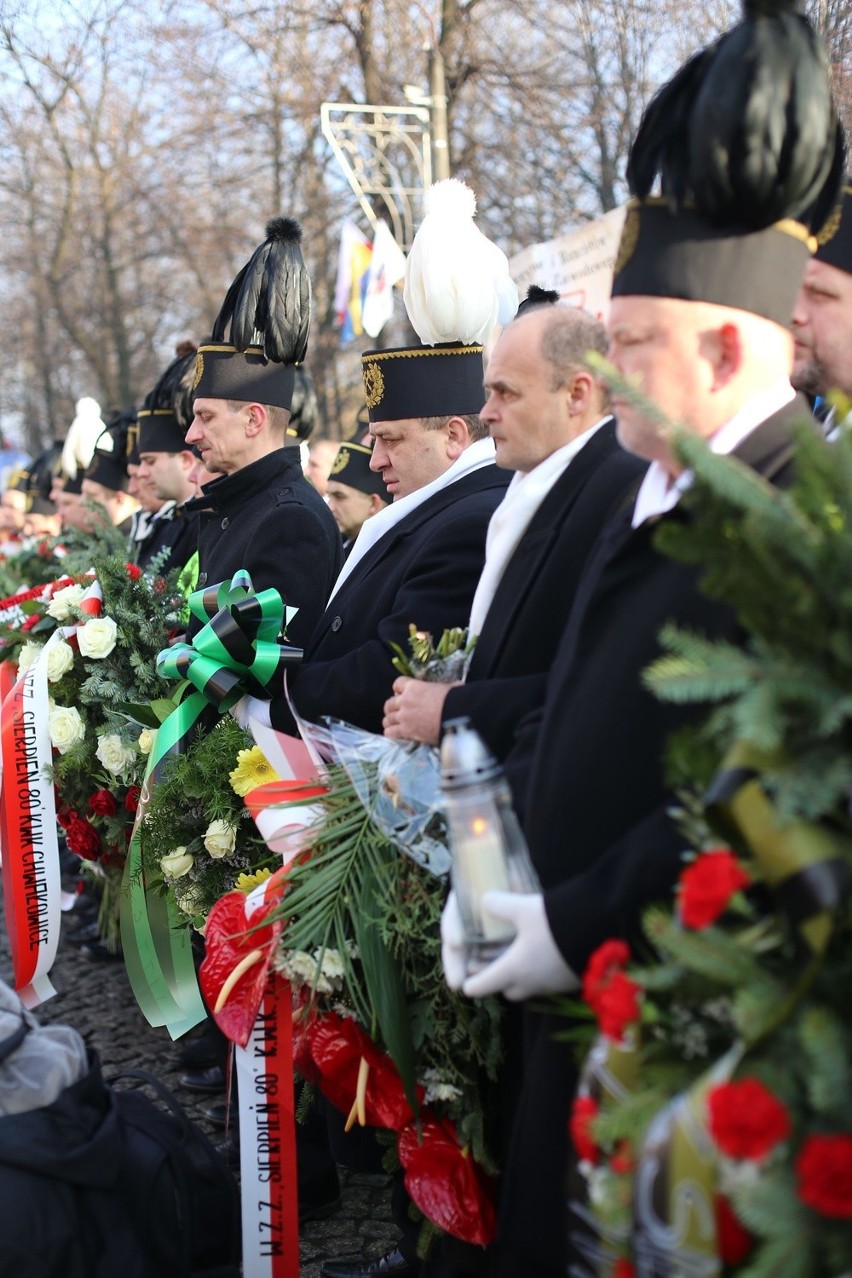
103,803
707,885
337,1047
824,1171
583,1111
229,939
746,1120
445,1183
735,1242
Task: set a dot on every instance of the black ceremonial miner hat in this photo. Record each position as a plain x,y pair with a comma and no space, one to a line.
351,466
261,332
835,238
109,460
749,154
165,416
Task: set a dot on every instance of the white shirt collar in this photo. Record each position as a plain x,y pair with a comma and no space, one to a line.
659,493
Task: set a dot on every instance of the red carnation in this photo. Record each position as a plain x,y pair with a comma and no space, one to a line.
622,1161
735,1242
618,1006
623,1269
707,885
824,1169
583,1112
746,1120
131,799
134,572
610,957
83,839
103,803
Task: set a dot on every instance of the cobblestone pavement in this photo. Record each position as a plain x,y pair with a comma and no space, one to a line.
95,997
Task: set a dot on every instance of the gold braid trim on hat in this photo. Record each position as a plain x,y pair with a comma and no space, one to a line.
417,351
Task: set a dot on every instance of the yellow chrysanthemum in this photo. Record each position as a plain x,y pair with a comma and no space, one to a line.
246,882
252,770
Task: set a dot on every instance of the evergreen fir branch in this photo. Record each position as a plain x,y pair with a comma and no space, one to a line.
825,1043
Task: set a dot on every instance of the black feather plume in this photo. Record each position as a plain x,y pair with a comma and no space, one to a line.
269,302
747,129
174,389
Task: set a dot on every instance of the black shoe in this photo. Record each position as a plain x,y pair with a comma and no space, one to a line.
319,1197
220,1114
393,1262
198,1054
98,952
204,1080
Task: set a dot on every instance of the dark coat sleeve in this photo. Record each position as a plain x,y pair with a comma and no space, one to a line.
435,592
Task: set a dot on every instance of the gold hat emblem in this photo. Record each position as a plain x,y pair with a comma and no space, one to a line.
340,462
374,384
199,370
629,238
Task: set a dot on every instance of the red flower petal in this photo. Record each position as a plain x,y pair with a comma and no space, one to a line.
229,937
446,1184
337,1045
707,885
745,1119
824,1170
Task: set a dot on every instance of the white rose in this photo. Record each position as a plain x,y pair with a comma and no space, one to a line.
65,727
97,638
190,901
27,654
60,605
146,740
177,863
114,754
60,659
219,839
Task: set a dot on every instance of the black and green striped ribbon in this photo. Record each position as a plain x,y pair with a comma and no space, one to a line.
238,651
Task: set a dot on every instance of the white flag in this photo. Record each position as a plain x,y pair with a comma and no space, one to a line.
387,267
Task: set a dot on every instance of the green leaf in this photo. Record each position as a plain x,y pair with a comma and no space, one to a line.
387,996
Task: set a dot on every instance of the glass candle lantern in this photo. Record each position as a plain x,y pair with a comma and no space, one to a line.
486,842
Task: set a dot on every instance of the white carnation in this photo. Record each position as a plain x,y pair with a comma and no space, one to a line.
62,601
219,839
114,754
97,637
60,659
65,727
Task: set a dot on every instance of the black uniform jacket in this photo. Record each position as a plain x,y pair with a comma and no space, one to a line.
177,531
531,604
423,571
597,809
268,519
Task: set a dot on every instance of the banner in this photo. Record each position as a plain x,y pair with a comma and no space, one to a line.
28,835
578,264
352,265
270,1209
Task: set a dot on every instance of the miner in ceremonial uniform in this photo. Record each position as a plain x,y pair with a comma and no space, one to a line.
822,316
165,463
748,152
354,492
261,514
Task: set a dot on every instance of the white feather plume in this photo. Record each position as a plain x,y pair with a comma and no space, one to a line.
79,445
457,283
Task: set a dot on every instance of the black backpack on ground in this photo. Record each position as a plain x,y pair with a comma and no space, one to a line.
185,1200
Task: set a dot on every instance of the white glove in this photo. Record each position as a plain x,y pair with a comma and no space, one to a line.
453,954
532,964
248,708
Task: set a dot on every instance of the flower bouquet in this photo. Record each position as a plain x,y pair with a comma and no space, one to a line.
97,638
713,1121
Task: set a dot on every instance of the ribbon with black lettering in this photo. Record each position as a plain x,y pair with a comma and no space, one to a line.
267,1139
28,835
